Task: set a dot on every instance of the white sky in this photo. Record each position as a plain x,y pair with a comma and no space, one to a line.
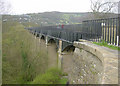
35,6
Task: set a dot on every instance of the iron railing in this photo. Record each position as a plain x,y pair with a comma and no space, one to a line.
103,29
93,30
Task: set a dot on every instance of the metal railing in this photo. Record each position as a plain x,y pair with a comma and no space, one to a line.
104,29
93,30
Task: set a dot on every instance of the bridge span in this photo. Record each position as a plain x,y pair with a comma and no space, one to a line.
92,30
66,36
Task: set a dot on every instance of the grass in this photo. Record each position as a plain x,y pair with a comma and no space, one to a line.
23,61
51,76
105,44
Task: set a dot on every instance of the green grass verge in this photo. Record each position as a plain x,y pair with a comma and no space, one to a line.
51,76
105,44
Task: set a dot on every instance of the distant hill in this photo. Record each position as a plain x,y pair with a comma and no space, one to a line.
52,18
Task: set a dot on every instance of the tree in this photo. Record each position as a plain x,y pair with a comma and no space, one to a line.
4,7
101,7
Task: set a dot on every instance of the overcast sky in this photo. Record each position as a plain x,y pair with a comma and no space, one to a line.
35,6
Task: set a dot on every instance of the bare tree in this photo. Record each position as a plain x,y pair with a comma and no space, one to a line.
102,7
4,7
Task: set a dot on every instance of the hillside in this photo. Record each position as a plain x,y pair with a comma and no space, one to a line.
52,18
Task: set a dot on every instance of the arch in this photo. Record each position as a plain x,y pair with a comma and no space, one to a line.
35,32
81,36
69,48
51,40
37,35
42,37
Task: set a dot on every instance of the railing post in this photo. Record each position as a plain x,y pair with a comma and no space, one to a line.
117,40
118,30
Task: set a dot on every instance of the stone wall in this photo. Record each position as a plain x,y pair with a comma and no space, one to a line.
94,64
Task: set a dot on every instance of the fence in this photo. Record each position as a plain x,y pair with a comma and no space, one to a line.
103,29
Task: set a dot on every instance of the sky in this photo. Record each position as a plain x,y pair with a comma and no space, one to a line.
35,6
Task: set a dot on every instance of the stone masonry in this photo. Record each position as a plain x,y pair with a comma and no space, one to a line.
93,64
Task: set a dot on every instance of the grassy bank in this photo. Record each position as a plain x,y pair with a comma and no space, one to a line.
23,61
105,44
